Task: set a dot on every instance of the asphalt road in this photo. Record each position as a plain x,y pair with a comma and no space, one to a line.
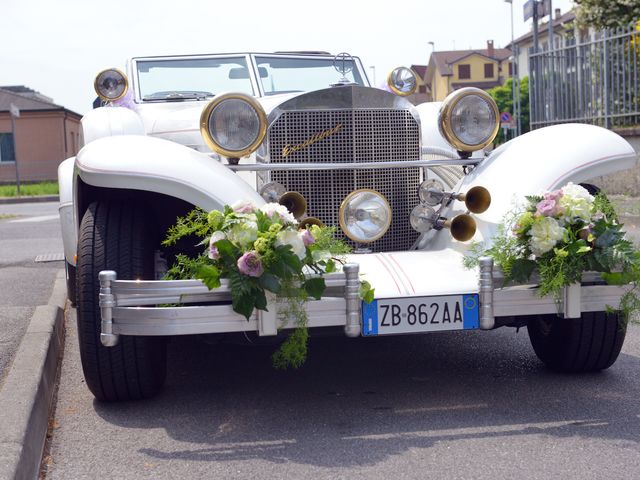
26,231
450,405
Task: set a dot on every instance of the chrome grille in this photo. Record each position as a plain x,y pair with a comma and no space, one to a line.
374,135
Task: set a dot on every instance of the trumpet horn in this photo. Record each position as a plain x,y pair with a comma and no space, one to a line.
294,202
308,221
477,199
462,227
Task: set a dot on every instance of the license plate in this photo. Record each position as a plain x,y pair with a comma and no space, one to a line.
388,316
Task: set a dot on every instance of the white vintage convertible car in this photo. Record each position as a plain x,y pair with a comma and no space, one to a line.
409,187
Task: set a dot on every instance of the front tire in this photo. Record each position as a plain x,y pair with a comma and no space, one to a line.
116,236
573,345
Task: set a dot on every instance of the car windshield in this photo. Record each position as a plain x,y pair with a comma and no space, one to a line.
288,74
192,79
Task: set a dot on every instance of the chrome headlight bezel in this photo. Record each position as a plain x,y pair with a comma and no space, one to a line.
344,211
210,109
445,122
396,80
99,87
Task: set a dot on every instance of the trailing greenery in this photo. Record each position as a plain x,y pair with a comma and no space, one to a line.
259,251
29,189
559,236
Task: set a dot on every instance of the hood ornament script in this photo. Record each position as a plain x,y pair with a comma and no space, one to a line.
289,149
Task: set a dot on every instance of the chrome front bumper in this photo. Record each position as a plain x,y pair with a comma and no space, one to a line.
129,307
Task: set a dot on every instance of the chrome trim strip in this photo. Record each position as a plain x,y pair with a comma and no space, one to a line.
261,167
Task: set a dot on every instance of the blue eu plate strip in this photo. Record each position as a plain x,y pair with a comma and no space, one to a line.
470,311
370,318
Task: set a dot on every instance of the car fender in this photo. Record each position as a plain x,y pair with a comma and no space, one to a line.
66,210
110,121
151,164
539,161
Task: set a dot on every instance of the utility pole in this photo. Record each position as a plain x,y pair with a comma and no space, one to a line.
513,75
14,112
433,80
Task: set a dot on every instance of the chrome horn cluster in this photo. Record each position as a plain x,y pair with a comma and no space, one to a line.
424,217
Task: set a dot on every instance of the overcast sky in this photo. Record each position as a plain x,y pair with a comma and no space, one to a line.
57,46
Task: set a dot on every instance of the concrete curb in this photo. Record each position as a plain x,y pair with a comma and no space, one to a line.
26,396
37,199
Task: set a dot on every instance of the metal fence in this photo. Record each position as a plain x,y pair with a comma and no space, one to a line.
588,80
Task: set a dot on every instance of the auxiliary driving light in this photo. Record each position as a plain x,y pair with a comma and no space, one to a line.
111,84
365,216
402,81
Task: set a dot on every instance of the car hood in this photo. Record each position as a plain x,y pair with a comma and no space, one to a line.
180,121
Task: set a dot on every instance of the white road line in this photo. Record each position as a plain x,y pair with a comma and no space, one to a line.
42,218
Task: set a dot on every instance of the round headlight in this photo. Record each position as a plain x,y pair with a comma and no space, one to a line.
469,119
111,84
233,124
365,215
402,81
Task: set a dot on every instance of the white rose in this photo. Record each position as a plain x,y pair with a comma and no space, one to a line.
294,239
271,209
545,234
576,202
576,191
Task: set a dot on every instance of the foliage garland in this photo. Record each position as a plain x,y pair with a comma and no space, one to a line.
261,250
560,235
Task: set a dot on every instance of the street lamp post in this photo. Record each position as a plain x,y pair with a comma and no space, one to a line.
433,80
514,70
373,74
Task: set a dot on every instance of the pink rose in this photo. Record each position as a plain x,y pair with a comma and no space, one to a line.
307,238
554,195
547,208
250,264
213,251
243,207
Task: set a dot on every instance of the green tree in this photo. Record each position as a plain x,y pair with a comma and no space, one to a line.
607,13
503,95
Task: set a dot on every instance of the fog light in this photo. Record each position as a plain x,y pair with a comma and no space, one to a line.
422,218
272,191
365,216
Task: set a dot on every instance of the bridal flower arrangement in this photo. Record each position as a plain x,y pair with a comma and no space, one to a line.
261,250
558,236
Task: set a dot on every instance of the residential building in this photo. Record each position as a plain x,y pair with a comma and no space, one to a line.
451,70
563,26
45,134
423,92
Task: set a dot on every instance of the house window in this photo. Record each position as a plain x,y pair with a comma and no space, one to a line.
7,153
511,69
422,89
464,72
488,70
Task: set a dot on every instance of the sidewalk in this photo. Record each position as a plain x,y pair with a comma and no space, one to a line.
27,393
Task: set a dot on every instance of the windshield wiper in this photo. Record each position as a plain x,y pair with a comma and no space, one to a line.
177,96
